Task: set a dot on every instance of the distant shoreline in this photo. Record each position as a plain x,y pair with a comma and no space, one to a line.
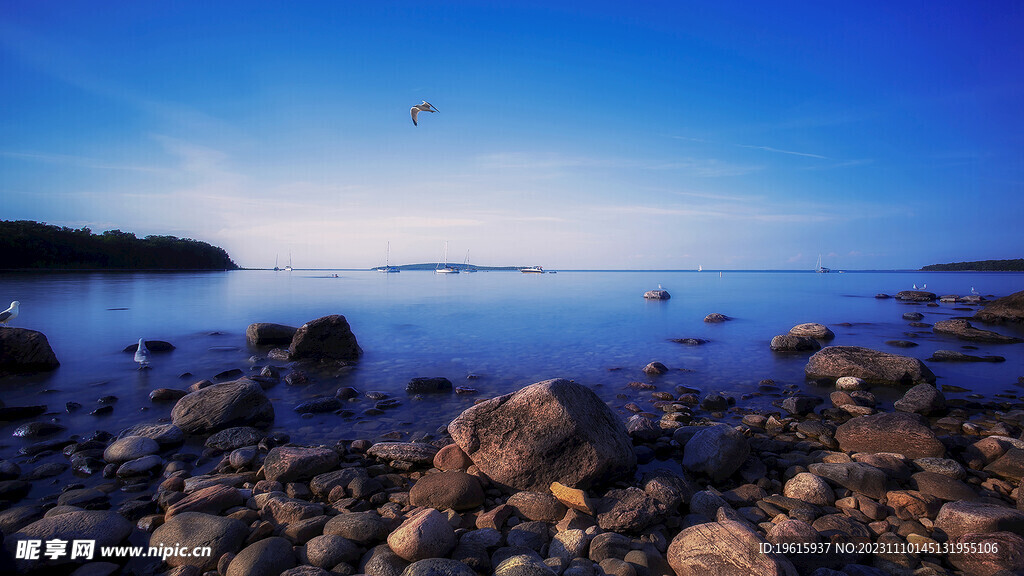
978,266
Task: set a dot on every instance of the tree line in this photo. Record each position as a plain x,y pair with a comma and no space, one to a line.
979,266
25,244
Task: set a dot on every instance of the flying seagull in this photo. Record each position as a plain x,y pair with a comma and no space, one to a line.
10,314
142,354
425,107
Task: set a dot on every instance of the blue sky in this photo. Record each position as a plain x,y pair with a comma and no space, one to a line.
586,135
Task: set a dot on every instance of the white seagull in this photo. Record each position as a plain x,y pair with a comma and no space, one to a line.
142,354
10,314
425,107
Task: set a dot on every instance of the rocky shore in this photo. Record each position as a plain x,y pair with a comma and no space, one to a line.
545,480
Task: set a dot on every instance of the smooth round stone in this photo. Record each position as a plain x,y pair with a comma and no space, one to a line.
130,448
139,466
849,383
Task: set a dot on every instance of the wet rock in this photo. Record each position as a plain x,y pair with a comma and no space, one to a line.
326,338
522,565
1005,310
552,431
657,295
537,506
452,490
267,557
425,534
37,429
210,500
717,451
151,345
963,330
167,395
629,510
291,463
139,467
954,356
872,366
889,432
801,405
266,333
793,343
913,316
812,330
319,405
655,369
689,341
726,548
130,448
428,386
23,350
238,403
922,399
916,296
381,561
715,318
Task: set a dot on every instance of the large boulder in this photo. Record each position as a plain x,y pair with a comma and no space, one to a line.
105,527
716,451
190,530
23,350
1008,309
812,330
726,548
214,408
327,338
922,399
551,431
425,534
959,518
452,490
265,333
793,343
896,432
872,366
963,330
267,557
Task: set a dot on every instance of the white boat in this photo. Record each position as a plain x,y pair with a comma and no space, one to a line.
700,268
276,267
446,269
388,268
819,268
288,268
466,266
532,270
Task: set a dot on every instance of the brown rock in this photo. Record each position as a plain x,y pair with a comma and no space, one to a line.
963,330
191,529
1010,465
291,463
809,488
573,498
942,487
537,506
23,350
812,330
267,557
1008,309
426,534
262,333
552,431
726,548
889,432
989,554
959,518
452,490
238,403
451,457
326,338
872,366
913,504
210,500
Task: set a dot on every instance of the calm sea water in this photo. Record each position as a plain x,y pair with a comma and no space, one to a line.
506,329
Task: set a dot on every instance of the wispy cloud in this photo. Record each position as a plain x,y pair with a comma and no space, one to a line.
78,161
781,151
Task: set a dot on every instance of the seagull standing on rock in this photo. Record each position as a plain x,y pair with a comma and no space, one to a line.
425,107
10,314
142,354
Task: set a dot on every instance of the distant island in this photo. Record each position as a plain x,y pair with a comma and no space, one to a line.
979,266
28,245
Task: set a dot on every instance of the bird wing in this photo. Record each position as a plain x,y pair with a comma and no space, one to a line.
431,106
5,315
415,112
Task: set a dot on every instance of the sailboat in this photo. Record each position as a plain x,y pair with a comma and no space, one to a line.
819,268
388,268
466,266
276,267
700,268
288,268
446,269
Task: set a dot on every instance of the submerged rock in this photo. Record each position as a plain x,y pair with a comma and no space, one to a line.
1005,310
264,333
326,338
214,408
551,431
916,296
812,330
963,330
